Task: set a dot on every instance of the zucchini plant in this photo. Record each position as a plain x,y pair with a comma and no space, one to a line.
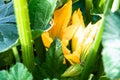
59,39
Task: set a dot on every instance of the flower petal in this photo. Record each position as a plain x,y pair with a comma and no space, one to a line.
77,21
78,18
73,58
78,36
78,39
68,34
47,40
61,19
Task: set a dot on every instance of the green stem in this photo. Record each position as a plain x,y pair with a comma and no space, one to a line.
108,7
16,54
93,53
23,25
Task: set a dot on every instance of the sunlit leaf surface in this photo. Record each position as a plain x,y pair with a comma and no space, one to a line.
111,43
40,13
8,30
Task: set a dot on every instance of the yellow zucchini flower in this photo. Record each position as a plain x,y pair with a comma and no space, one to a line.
66,27
82,41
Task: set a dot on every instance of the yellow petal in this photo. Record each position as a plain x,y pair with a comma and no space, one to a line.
77,21
47,40
61,19
65,50
78,18
78,39
90,32
68,33
73,58
78,36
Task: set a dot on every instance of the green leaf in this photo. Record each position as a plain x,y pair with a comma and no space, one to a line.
92,10
41,12
20,72
79,4
4,75
8,30
111,44
54,67
17,72
6,12
97,6
60,3
73,70
8,36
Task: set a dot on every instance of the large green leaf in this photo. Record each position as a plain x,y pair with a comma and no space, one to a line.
17,72
6,12
53,66
8,36
4,75
111,43
8,30
41,12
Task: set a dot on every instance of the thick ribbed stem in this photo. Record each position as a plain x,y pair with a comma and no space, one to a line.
23,25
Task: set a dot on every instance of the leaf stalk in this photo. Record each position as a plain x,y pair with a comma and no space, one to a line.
24,31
